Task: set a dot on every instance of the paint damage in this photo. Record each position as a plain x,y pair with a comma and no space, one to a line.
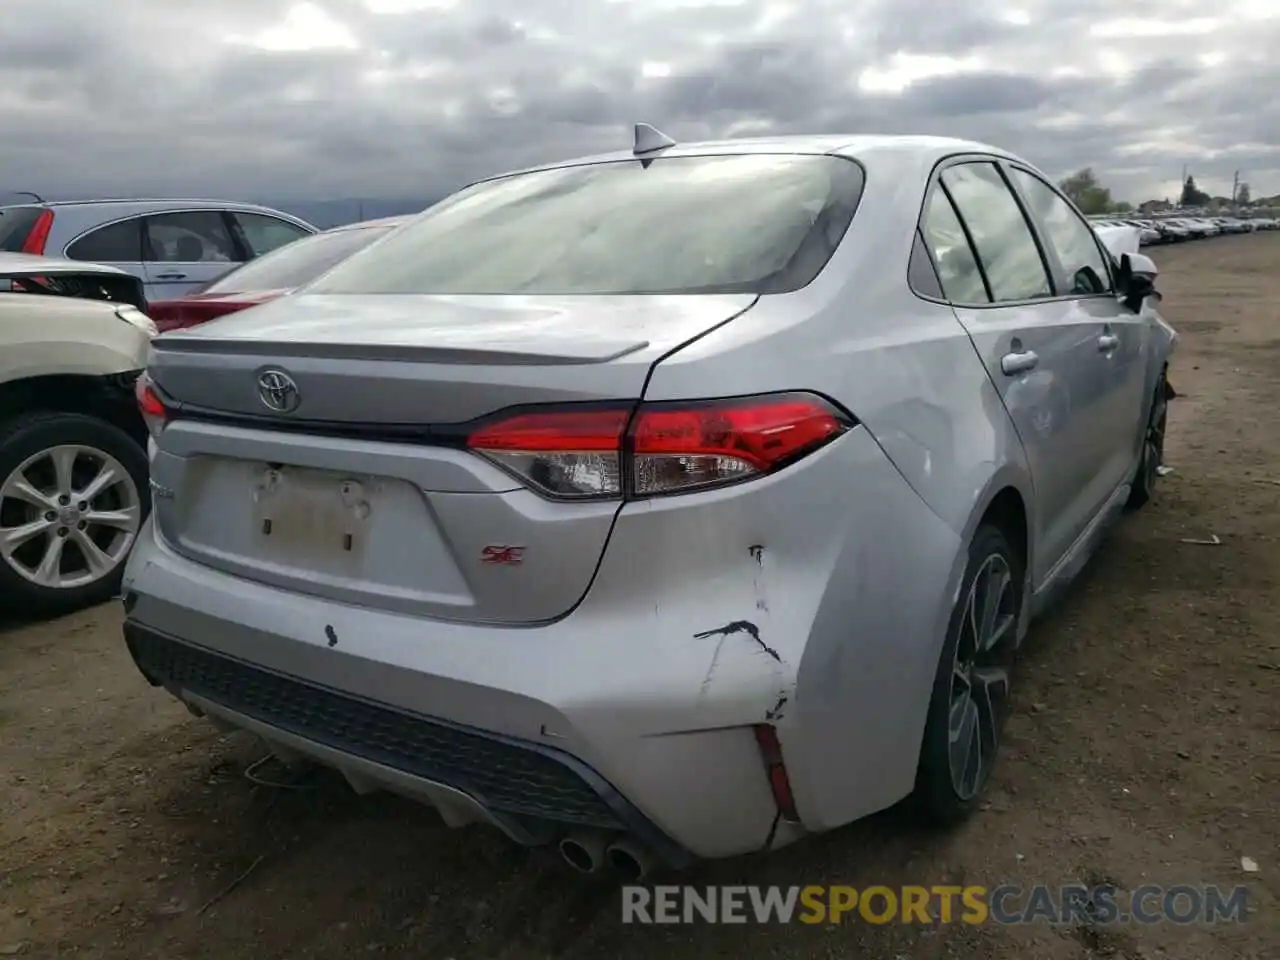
740,626
749,630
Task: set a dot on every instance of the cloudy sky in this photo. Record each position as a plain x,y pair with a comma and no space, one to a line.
395,98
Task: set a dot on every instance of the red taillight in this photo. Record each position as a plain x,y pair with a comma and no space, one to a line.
669,447
181,314
563,453
776,770
154,413
39,233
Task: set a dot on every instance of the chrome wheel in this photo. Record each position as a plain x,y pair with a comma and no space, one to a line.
980,675
68,516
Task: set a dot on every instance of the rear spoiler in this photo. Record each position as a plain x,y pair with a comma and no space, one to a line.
89,283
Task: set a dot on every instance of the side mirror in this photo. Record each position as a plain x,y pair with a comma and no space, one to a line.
1140,263
1136,280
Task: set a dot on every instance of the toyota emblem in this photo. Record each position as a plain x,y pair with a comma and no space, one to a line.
278,392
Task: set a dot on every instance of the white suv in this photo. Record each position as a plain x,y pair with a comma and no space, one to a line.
73,467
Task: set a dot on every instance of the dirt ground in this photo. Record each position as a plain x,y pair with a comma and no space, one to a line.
1145,748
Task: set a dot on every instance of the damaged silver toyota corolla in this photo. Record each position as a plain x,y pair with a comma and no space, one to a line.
669,504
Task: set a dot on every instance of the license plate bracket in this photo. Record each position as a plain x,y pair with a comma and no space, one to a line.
311,510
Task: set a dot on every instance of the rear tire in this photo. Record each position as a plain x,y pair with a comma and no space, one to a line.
74,493
1143,487
970,698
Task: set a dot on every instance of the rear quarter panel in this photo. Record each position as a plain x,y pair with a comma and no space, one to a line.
906,369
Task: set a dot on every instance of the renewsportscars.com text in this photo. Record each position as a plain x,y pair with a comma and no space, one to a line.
1008,904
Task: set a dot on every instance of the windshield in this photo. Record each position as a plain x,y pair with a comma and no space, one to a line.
755,223
298,262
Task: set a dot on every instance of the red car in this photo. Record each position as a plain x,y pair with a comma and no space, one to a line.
273,275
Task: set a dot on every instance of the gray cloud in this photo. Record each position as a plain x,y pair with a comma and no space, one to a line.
415,97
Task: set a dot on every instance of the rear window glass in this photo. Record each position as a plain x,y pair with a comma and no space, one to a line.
296,263
15,224
756,223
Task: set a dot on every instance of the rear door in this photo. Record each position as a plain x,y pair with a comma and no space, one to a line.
1039,348
1084,270
184,250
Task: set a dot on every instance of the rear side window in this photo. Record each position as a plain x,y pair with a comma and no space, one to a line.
1070,236
117,243
198,236
958,269
15,224
755,223
263,234
1005,244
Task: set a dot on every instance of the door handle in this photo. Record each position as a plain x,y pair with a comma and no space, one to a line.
1012,364
1108,342
171,276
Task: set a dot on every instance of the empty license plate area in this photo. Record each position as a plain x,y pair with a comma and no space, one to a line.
350,535
312,511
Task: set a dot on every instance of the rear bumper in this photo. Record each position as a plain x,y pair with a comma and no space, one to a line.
506,729
468,774
764,603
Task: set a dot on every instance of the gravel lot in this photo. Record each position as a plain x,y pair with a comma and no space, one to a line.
1145,748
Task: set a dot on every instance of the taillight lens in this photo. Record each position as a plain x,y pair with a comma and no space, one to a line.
563,453
660,448
38,236
154,413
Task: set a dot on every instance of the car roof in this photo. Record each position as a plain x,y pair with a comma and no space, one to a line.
157,202
866,147
124,207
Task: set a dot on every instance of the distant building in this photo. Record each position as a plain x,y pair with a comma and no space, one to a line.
1154,206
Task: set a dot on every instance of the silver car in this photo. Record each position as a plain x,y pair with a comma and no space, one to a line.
672,503
172,246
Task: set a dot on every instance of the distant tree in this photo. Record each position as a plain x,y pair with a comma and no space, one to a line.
1124,206
1085,192
1192,196
1242,195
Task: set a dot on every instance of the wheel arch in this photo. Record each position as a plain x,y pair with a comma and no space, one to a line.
108,397
1007,500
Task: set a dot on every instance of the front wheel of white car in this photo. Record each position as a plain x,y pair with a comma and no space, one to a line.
73,496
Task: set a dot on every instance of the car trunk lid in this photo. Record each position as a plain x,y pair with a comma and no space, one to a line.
355,488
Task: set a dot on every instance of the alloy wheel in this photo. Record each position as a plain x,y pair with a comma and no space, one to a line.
68,516
980,675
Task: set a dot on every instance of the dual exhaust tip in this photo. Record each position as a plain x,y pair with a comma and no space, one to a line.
590,853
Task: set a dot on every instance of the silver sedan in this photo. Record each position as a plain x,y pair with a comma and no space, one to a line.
672,503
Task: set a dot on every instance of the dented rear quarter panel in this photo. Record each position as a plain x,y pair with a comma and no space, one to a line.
861,579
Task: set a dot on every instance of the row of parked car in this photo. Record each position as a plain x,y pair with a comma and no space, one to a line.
678,502
1178,229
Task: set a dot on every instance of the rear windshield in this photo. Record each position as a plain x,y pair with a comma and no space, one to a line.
755,223
296,263
15,224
